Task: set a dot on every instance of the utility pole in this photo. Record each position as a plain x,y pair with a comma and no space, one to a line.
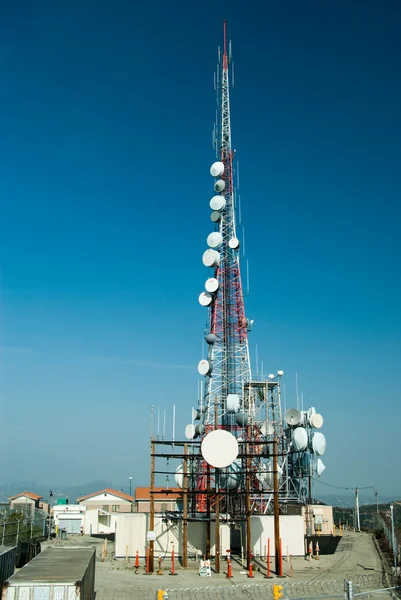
185,511
357,519
277,548
248,508
50,515
152,504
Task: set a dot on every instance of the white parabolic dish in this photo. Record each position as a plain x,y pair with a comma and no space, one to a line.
214,239
212,285
204,367
190,431
319,467
319,443
233,403
300,439
217,203
217,169
205,299
219,448
316,420
292,416
211,258
179,476
234,243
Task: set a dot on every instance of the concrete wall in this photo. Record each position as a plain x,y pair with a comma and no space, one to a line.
318,517
143,506
131,531
291,534
106,502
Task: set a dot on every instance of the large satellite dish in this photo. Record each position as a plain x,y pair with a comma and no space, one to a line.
292,416
319,443
217,169
316,420
233,403
211,338
219,448
234,243
217,203
214,239
229,479
211,258
319,467
190,432
204,367
205,299
199,429
299,439
195,414
212,285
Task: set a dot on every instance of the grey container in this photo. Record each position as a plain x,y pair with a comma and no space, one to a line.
66,573
7,563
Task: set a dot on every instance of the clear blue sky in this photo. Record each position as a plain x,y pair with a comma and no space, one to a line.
106,117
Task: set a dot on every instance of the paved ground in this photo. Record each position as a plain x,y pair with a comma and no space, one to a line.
356,555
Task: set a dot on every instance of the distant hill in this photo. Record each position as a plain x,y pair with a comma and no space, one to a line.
70,492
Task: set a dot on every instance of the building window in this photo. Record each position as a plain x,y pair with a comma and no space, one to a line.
115,508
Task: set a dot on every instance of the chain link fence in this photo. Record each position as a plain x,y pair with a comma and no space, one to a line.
26,526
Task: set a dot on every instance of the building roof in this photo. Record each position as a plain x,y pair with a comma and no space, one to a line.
30,495
108,491
143,493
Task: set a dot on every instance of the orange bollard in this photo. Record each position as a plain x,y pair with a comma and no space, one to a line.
137,560
250,573
229,569
310,550
172,572
268,576
317,551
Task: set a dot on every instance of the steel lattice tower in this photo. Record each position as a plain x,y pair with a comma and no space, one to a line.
228,355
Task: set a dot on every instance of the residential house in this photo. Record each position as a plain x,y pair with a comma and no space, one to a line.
25,502
165,500
108,500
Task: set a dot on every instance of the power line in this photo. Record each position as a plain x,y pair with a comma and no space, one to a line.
340,487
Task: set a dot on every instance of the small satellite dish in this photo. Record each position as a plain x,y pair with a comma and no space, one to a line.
299,439
199,429
212,285
205,299
267,429
316,420
217,203
204,367
319,443
219,448
210,339
195,414
190,432
220,185
233,403
215,216
217,169
214,239
179,476
242,419
211,258
234,243
319,467
292,416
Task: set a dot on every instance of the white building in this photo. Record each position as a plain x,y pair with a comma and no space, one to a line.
102,508
70,517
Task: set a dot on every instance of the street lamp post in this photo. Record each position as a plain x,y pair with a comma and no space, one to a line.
377,501
130,486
